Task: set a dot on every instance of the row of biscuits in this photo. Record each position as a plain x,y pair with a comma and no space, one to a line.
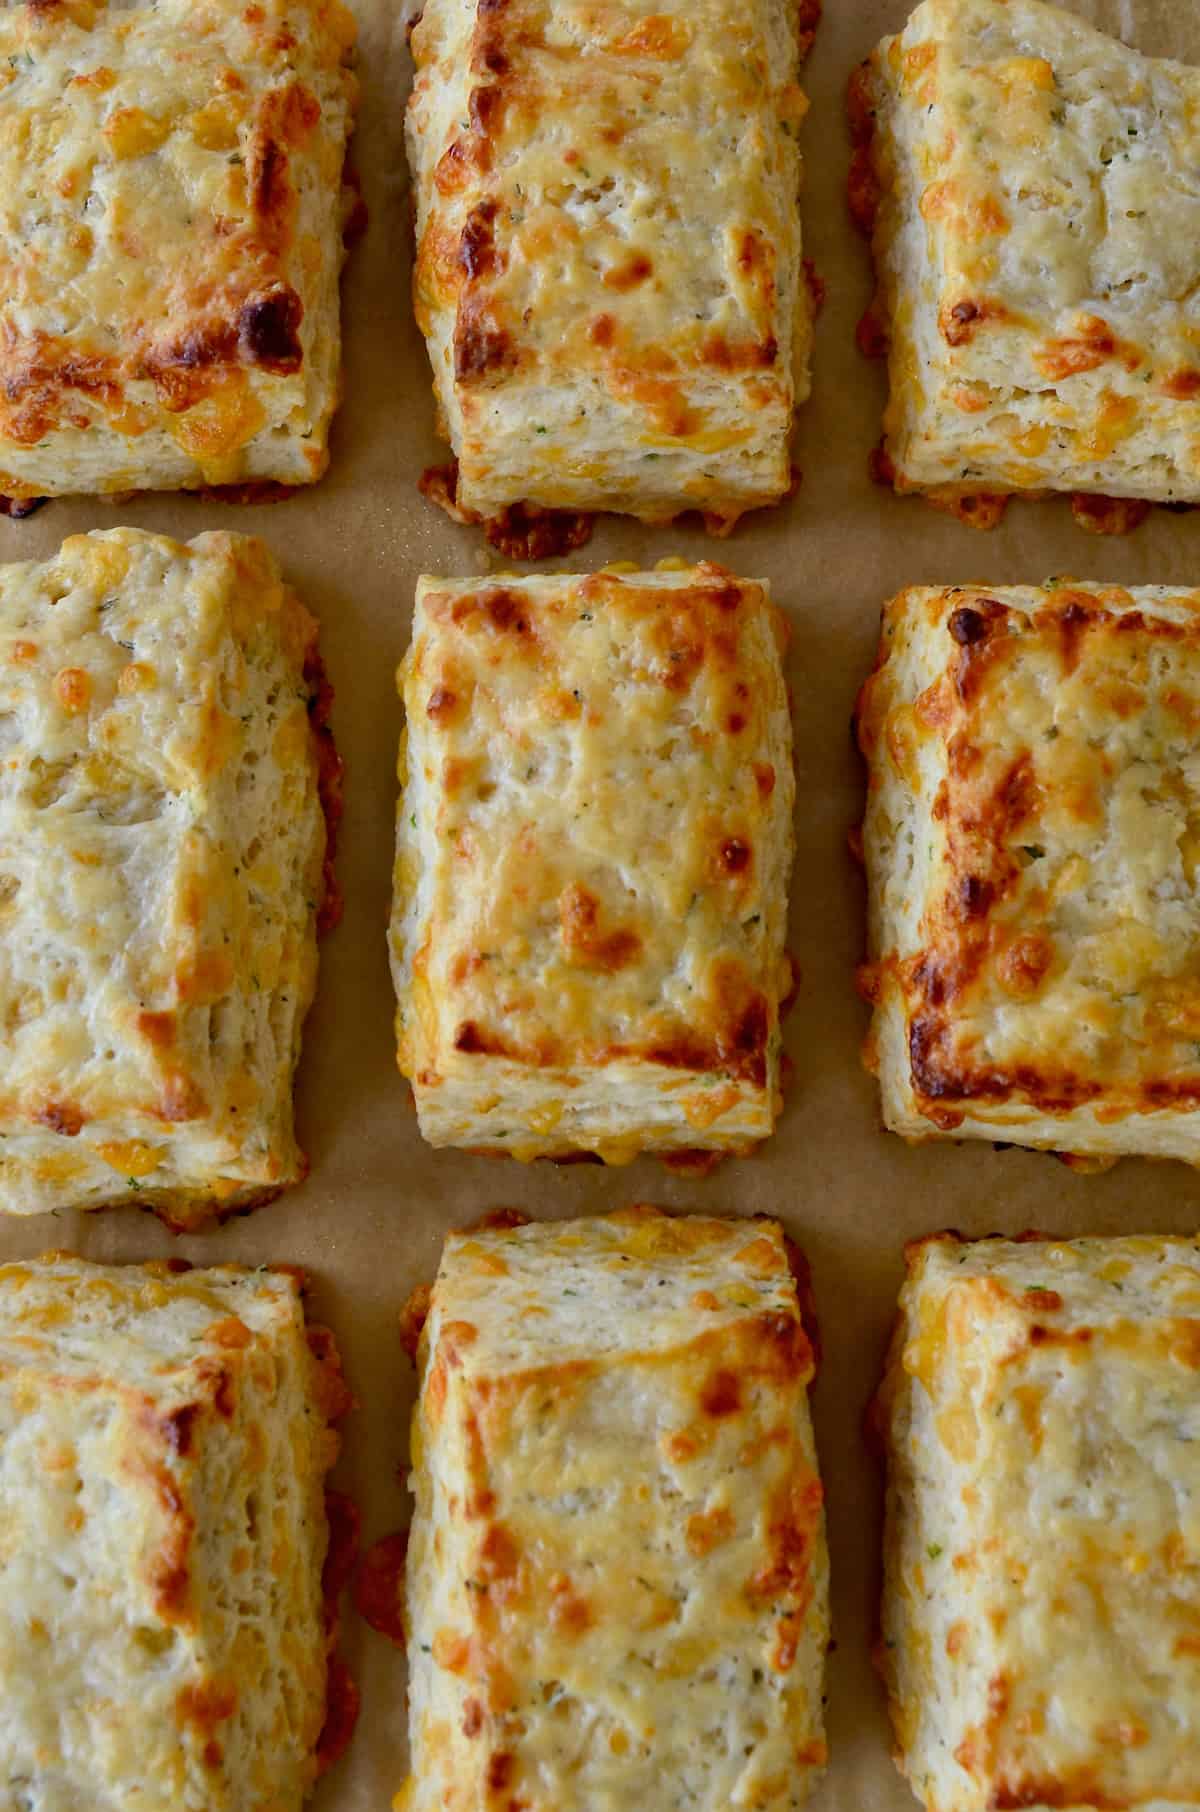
616,1584
174,198
594,842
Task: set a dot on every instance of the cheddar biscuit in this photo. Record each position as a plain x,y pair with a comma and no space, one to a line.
1040,1608
1031,840
617,1577
171,207
164,1440
609,272
1037,246
593,845
161,873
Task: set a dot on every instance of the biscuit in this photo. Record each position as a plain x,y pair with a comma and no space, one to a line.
609,273
617,1577
1031,841
593,845
1036,231
164,1441
171,216
1041,1615
162,844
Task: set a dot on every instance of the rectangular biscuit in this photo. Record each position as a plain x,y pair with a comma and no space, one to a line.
171,217
162,853
609,271
164,1440
617,1577
1041,1608
1031,185
1031,841
593,845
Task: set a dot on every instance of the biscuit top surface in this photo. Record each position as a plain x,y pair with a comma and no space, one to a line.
112,652
1057,171
134,1326
620,200
1047,945
599,811
151,160
612,1289
1102,1285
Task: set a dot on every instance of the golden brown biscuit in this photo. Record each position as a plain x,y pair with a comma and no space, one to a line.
161,873
164,1441
617,1573
1041,1616
1037,242
593,845
609,270
1031,839
171,215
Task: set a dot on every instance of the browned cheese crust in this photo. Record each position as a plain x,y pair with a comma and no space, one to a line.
171,234
1032,835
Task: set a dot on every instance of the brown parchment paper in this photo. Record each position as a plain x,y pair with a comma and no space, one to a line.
369,1220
